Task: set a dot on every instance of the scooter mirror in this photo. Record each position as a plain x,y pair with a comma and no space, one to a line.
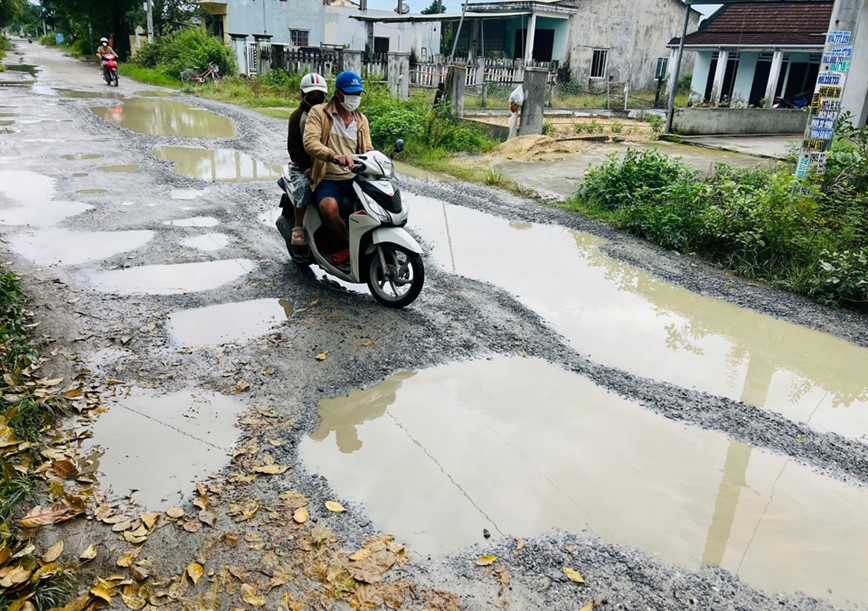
399,145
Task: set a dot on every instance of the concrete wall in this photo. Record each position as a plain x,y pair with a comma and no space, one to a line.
744,77
707,121
276,17
701,68
855,97
326,25
562,31
635,32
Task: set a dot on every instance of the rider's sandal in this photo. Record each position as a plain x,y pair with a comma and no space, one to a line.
298,237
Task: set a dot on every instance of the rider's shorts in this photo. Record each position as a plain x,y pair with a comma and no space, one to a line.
340,190
299,184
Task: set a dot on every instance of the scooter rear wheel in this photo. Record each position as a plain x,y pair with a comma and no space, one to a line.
400,282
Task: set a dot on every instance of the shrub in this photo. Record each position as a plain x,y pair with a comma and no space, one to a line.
841,276
617,127
394,124
656,122
548,128
185,49
617,183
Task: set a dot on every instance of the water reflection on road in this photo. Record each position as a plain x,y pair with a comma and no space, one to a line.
520,446
624,317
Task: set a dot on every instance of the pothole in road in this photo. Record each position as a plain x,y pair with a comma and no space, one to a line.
21,187
73,156
159,117
154,94
217,165
624,317
171,279
520,447
186,194
64,247
195,221
71,93
25,199
208,242
129,167
162,444
227,323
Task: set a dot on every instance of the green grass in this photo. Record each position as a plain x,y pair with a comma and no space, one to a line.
147,75
5,46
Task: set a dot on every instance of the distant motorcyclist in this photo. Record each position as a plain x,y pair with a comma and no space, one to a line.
103,50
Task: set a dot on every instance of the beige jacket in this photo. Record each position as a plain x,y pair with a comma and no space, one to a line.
317,131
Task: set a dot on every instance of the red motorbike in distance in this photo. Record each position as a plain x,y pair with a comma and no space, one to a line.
110,69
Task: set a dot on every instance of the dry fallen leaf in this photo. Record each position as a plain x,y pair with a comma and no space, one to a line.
127,558
271,469
573,575
322,355
486,560
175,512
360,554
248,594
301,515
588,607
66,469
149,518
43,516
89,553
367,343
102,591
208,517
334,507
194,572
53,552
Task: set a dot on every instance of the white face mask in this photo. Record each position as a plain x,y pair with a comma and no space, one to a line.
351,102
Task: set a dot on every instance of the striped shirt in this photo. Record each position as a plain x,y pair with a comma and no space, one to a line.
343,140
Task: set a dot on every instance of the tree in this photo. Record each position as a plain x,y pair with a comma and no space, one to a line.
436,7
10,10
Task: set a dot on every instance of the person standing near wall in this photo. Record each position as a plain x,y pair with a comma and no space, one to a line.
516,99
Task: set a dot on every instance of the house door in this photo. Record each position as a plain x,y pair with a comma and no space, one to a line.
543,44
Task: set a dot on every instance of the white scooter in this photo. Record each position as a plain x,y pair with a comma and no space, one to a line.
382,253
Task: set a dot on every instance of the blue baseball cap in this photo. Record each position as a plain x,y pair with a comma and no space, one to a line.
349,82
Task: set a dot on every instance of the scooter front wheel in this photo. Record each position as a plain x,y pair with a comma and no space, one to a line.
395,276
115,79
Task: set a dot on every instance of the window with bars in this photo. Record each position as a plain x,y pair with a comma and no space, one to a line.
662,66
599,62
299,38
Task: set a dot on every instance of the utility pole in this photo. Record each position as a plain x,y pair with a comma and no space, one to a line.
149,8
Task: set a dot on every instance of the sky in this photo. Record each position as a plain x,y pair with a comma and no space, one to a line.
454,6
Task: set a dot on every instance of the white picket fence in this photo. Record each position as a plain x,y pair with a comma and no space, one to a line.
430,74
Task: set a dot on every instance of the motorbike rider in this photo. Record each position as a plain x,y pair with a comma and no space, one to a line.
313,93
103,50
334,132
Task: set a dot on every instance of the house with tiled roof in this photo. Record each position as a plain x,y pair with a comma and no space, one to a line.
750,54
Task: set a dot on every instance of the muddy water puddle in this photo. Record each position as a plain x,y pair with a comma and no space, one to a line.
186,194
158,117
129,167
64,247
74,156
171,279
227,323
208,242
26,199
92,191
71,93
624,317
439,455
162,444
154,94
217,165
195,221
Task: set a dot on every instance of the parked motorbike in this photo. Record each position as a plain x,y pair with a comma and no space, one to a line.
110,69
382,253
